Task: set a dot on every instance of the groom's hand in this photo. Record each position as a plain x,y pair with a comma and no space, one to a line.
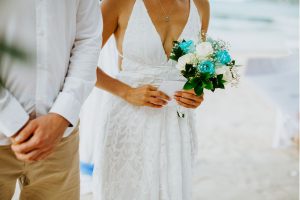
39,137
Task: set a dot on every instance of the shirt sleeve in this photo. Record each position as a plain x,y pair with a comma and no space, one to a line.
12,115
81,75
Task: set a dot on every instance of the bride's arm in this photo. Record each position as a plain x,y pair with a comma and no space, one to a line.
146,95
143,96
203,7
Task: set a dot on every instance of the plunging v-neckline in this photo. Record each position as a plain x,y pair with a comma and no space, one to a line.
167,57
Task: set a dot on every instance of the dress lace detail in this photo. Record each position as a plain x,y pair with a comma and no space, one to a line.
147,153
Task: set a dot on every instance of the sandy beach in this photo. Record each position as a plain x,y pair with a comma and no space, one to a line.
236,159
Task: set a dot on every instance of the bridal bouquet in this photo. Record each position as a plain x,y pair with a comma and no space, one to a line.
205,65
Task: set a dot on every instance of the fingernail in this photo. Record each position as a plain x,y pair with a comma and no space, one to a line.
13,147
18,138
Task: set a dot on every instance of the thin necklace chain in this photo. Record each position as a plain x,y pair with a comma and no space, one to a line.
166,16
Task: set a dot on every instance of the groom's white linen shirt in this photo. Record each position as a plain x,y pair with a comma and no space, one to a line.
64,38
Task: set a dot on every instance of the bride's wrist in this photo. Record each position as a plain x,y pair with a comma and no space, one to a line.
125,93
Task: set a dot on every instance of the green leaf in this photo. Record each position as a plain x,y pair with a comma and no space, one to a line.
199,90
205,76
190,71
220,77
196,81
222,86
208,85
214,81
188,86
177,52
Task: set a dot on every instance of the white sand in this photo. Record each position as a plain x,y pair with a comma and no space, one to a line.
236,160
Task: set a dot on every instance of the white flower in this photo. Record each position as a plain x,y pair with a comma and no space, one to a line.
227,75
204,49
189,58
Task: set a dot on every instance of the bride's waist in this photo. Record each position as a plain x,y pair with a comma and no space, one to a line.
154,76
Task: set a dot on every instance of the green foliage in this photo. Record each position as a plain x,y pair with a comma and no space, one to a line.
198,90
177,52
190,71
200,81
231,64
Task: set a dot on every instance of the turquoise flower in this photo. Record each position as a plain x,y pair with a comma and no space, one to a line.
223,57
206,67
187,46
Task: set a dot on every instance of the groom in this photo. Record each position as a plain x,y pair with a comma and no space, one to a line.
40,99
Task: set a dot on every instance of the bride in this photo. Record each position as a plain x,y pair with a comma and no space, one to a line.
148,149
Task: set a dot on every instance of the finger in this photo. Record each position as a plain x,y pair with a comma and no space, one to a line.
187,101
27,146
26,132
157,101
152,105
185,95
151,87
190,96
190,91
29,157
185,105
160,95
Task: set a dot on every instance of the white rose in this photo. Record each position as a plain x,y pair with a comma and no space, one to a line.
204,49
227,76
186,59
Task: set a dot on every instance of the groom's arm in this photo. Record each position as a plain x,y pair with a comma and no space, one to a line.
12,115
46,131
81,75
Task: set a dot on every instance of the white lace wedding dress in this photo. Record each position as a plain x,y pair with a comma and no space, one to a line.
147,152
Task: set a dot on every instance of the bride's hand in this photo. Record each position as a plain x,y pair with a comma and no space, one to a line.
188,99
146,96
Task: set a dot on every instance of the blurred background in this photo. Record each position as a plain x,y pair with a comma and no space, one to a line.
248,135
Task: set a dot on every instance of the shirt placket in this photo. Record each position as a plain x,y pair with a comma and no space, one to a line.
41,15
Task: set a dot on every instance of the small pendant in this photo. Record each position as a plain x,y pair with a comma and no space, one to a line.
167,19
